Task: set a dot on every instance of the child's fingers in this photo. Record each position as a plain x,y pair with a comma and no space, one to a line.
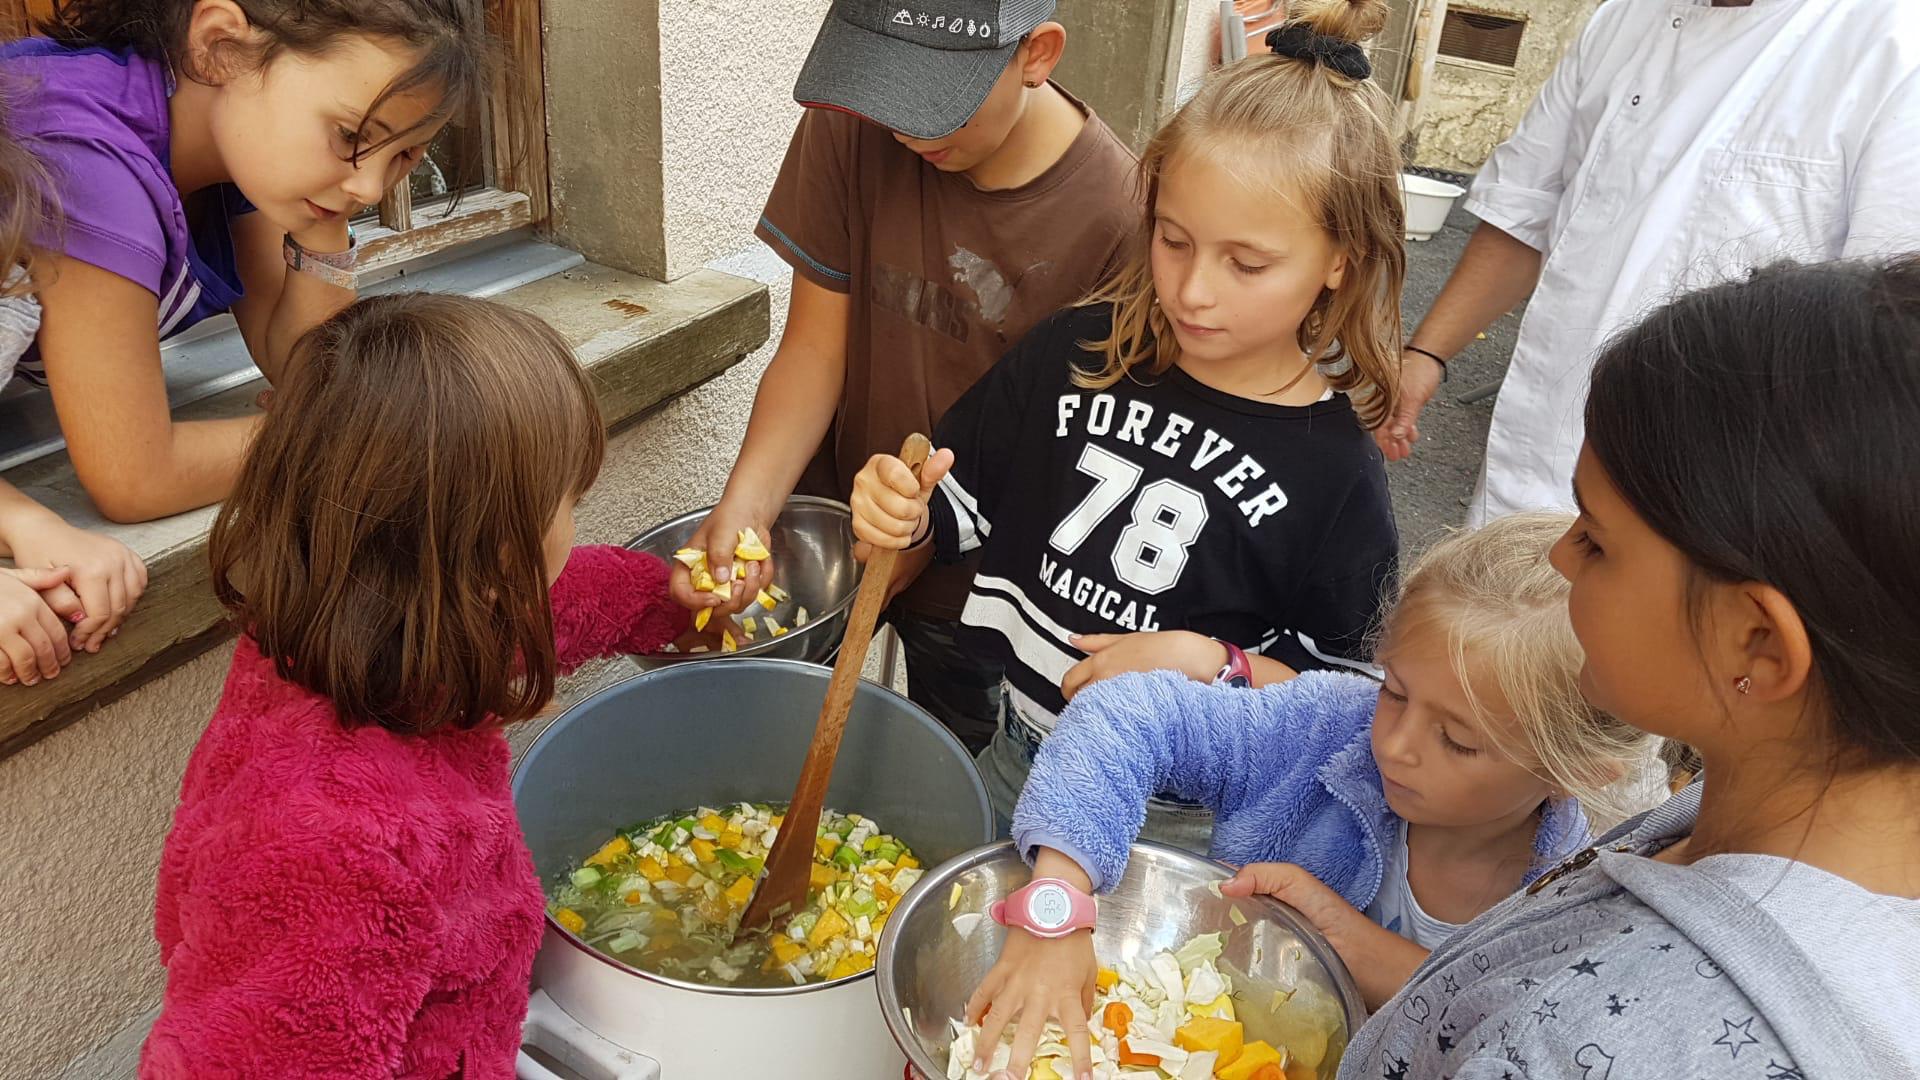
1265,878
1075,1023
879,536
935,470
1026,1036
893,475
1076,678
57,645
1093,643
992,1024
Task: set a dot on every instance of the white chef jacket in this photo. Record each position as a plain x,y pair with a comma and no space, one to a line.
1678,145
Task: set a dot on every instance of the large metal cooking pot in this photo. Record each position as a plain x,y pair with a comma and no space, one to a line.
928,968
812,545
714,734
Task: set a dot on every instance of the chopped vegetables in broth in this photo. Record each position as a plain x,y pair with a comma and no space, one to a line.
666,896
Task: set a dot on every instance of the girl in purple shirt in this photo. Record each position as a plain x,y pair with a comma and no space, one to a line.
209,154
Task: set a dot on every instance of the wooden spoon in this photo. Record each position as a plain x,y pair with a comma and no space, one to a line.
783,888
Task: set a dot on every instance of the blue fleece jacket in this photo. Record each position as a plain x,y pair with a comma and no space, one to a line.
1287,769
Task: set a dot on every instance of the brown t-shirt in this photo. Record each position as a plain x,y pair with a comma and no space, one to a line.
943,278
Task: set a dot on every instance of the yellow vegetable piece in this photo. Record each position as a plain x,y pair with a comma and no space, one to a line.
778,820
1106,979
700,618
821,876
830,926
779,594
785,950
727,644
1224,1037
703,580
722,589
1252,1056
750,547
732,838
570,919
702,850
1234,916
766,600
827,845
800,617
713,823
1220,1008
751,627
691,558
611,850
651,869
780,631
908,862
740,892
1043,1070
848,965
680,874
634,896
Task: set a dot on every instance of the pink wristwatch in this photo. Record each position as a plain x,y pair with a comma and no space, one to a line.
1047,907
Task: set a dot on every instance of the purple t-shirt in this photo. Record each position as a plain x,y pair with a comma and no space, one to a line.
98,119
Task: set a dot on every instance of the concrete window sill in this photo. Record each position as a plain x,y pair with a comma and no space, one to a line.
641,341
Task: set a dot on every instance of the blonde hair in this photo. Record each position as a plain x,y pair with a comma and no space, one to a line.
1503,609
1320,138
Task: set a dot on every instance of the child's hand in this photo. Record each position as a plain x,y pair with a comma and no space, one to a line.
1036,979
890,504
718,535
1194,655
1380,960
33,643
106,575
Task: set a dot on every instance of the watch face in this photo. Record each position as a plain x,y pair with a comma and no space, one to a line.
1049,907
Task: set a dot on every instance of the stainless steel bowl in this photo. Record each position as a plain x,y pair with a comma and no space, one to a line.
928,969
812,546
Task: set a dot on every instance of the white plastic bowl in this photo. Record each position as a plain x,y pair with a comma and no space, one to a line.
1428,203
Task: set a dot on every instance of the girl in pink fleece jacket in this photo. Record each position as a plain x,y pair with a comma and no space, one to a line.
345,892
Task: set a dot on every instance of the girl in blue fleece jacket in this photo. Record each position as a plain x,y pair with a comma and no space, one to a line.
1388,813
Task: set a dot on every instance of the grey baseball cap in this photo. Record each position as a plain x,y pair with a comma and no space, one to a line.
919,67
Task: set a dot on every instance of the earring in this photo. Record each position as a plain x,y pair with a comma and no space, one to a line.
1031,85
1743,684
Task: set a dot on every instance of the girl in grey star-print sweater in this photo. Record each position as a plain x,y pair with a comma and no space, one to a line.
1746,578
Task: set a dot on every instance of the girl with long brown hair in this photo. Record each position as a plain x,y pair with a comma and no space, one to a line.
345,891
1177,473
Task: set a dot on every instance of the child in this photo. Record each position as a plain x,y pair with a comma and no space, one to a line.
1181,453
1387,813
345,891
209,154
1766,920
68,589
942,199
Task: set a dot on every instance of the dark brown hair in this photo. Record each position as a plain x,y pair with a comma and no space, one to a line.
455,57
384,543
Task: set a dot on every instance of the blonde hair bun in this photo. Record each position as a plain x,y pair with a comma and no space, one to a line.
1348,20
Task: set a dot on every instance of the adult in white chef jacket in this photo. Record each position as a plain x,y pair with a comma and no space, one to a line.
1677,144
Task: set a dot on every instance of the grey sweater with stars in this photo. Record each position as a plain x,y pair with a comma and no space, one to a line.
1739,966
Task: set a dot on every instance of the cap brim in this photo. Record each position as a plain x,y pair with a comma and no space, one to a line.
921,92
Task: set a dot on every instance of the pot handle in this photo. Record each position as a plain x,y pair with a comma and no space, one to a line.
549,1028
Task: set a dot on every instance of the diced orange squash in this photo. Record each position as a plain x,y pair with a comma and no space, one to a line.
681,873
610,851
821,876
1106,979
785,950
848,965
907,862
714,823
714,909
1117,1018
830,926
1252,1056
633,897
883,892
732,838
1269,1071
827,845
651,869
740,891
1129,1057
778,820
570,919
1223,1037
702,850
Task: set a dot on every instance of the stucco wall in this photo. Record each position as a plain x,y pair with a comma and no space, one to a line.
1468,109
726,113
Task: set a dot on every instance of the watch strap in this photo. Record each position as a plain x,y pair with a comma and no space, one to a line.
334,268
1237,671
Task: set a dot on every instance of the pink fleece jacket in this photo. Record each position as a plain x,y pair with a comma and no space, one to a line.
352,902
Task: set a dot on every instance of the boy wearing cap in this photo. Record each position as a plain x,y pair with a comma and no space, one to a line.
940,196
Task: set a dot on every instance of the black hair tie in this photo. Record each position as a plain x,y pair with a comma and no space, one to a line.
1298,41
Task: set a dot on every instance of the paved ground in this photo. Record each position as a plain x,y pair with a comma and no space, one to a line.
1430,489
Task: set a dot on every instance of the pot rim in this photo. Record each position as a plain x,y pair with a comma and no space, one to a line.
1278,911
567,936
795,634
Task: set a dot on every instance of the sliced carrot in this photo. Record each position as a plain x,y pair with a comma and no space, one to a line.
1128,1057
1117,1019
1269,1071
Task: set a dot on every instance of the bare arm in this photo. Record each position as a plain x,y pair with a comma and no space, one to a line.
280,305
797,399
1496,273
103,365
